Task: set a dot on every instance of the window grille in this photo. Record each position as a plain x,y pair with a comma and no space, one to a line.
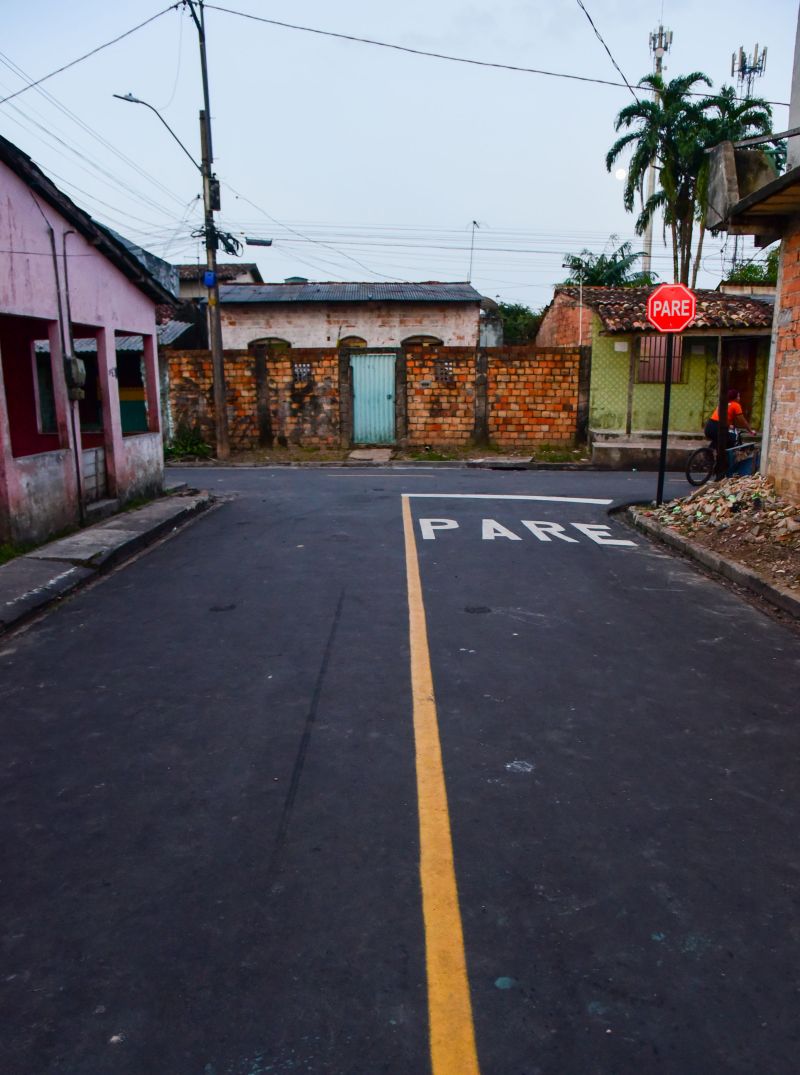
301,371
443,371
652,364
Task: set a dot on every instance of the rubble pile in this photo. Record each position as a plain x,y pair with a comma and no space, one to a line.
745,519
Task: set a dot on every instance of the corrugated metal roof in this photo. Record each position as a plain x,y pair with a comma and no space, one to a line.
624,309
349,292
166,334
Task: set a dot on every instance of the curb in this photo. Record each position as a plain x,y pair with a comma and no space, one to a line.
780,596
45,580
424,464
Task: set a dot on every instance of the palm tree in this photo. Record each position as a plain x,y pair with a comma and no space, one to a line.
669,133
606,270
729,119
673,131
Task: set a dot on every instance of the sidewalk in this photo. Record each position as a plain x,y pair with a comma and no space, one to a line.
756,582
31,582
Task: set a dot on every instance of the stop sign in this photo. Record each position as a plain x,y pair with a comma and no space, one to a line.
671,307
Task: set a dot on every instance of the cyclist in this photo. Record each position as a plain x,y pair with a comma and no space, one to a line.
736,420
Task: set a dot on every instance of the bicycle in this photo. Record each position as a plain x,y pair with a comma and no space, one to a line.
702,463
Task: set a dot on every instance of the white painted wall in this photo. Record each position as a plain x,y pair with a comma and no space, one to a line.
321,325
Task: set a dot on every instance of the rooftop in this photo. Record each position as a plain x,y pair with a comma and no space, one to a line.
624,309
226,271
312,291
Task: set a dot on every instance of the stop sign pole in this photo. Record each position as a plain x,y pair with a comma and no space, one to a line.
670,308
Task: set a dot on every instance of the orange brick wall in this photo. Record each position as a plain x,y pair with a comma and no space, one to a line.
560,326
783,461
306,412
440,395
533,395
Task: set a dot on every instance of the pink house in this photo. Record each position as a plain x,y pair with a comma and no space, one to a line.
79,406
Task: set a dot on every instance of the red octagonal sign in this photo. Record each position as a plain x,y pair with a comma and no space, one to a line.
671,307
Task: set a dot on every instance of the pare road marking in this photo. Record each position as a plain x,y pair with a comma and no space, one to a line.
544,530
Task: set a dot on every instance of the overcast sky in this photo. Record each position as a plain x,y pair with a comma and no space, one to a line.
363,162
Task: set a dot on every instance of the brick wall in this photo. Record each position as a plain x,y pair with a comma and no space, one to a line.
302,410
447,396
440,395
561,325
783,460
532,395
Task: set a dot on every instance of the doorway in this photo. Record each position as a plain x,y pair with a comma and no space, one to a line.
373,384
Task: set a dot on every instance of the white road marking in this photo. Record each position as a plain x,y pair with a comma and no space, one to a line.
546,531
513,496
428,526
492,529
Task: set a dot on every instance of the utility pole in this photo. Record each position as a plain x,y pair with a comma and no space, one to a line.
747,69
660,42
211,204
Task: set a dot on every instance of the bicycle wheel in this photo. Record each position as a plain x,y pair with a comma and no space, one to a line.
700,466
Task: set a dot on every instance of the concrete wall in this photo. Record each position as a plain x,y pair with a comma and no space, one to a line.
101,300
783,450
320,325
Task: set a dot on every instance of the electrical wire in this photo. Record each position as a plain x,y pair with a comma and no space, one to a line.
608,50
444,56
128,161
87,55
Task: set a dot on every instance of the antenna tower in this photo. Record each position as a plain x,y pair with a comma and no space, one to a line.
748,68
660,44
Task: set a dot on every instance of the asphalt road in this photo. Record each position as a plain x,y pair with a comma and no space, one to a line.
219,795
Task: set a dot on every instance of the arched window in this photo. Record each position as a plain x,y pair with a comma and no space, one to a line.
422,341
352,341
274,344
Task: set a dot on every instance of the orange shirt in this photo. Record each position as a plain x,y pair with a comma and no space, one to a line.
734,408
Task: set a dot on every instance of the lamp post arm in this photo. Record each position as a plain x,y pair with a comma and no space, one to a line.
138,101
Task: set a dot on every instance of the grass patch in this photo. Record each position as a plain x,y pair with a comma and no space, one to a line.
10,551
555,453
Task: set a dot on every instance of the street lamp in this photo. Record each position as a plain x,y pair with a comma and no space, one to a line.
212,238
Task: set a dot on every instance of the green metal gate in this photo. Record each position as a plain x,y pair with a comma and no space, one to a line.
373,398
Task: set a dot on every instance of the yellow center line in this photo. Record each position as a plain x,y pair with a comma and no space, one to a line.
451,1029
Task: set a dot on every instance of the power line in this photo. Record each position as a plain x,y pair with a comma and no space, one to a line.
444,56
608,50
86,55
128,161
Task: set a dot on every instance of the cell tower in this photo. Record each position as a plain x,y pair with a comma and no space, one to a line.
660,43
748,68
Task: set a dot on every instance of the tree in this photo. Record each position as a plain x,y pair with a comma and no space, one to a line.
616,269
756,272
520,323
673,131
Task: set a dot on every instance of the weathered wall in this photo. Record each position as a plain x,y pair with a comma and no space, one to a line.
513,396
783,459
38,488
691,402
561,325
533,395
305,411
322,325
440,394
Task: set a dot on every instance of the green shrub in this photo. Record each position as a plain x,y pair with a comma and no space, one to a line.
188,443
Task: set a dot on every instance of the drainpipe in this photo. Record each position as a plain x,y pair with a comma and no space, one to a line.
73,407
64,352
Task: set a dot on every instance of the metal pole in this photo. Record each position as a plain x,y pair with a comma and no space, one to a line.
210,204
722,412
660,42
662,458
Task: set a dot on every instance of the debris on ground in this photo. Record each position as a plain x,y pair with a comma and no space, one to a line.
744,519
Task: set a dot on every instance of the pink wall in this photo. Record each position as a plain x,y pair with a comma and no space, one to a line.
102,298
320,325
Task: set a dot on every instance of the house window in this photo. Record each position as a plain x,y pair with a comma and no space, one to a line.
301,372
274,344
422,341
652,363
45,394
131,383
29,383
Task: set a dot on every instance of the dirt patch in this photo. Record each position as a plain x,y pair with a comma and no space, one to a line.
744,520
